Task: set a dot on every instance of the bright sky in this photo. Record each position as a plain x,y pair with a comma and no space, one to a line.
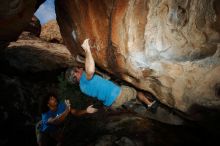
46,12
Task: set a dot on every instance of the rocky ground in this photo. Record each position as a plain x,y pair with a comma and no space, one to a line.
129,129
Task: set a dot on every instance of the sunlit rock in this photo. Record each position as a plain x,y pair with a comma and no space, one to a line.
167,47
31,54
51,32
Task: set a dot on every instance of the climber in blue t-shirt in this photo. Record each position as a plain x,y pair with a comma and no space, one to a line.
53,115
104,90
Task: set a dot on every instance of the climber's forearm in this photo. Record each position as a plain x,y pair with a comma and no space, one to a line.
89,64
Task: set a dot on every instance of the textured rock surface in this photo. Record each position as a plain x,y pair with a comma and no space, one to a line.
51,32
167,47
126,129
34,27
31,54
14,17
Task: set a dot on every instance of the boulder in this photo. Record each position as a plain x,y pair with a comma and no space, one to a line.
51,32
34,27
15,15
31,54
168,48
126,129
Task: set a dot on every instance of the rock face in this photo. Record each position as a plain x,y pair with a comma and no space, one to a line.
126,129
167,47
14,17
51,32
34,27
31,54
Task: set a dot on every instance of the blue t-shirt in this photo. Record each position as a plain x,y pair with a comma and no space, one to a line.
46,127
100,88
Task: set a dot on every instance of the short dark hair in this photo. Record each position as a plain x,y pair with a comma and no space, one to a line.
69,75
44,101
